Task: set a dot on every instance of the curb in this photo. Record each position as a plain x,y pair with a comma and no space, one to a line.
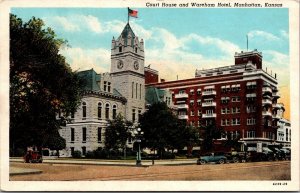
24,171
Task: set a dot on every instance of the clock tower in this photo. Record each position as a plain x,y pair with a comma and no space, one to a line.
127,70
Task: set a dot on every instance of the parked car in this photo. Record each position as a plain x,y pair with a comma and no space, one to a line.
211,157
265,155
287,153
33,157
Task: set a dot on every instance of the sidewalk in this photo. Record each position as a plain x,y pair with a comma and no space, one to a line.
145,163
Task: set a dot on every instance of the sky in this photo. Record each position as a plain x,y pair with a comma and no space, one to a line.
177,41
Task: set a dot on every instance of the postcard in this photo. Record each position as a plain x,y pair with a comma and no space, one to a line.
149,95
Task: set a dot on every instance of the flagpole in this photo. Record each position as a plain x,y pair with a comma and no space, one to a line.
128,14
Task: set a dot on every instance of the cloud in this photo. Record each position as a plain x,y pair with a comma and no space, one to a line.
284,34
74,23
62,22
84,59
262,34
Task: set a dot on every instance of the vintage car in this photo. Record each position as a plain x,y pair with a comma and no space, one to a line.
33,157
211,157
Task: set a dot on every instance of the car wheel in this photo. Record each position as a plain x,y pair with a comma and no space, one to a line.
235,160
221,161
202,162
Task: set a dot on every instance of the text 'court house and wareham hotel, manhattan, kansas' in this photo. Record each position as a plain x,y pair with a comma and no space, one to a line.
241,98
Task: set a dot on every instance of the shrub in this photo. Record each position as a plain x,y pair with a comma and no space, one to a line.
168,155
76,154
90,154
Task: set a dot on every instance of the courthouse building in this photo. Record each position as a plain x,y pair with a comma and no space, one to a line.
122,91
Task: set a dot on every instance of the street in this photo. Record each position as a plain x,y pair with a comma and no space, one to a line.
274,170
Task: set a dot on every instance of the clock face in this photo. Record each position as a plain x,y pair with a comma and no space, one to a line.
136,65
120,64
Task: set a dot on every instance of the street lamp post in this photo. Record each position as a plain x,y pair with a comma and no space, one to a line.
138,134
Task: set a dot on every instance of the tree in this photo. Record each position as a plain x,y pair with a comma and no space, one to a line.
210,133
162,129
42,84
117,133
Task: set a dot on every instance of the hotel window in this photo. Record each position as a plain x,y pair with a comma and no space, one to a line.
198,91
236,99
225,122
235,121
251,121
251,85
107,111
83,110
225,100
235,110
199,102
72,135
114,111
225,110
192,92
199,112
83,135
191,103
250,134
99,134
99,110
182,92
192,112
209,112
251,109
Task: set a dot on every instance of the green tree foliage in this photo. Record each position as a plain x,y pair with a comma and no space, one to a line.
210,132
41,84
117,133
162,129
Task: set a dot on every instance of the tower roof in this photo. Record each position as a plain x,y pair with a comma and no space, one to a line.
128,32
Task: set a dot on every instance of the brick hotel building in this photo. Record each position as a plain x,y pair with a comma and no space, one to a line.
242,98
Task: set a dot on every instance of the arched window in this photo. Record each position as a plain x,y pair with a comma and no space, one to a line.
120,47
84,110
99,110
107,111
114,111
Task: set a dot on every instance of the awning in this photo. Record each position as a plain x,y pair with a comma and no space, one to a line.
227,86
222,87
209,87
251,83
251,95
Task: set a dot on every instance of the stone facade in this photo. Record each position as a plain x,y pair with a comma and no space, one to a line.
122,91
